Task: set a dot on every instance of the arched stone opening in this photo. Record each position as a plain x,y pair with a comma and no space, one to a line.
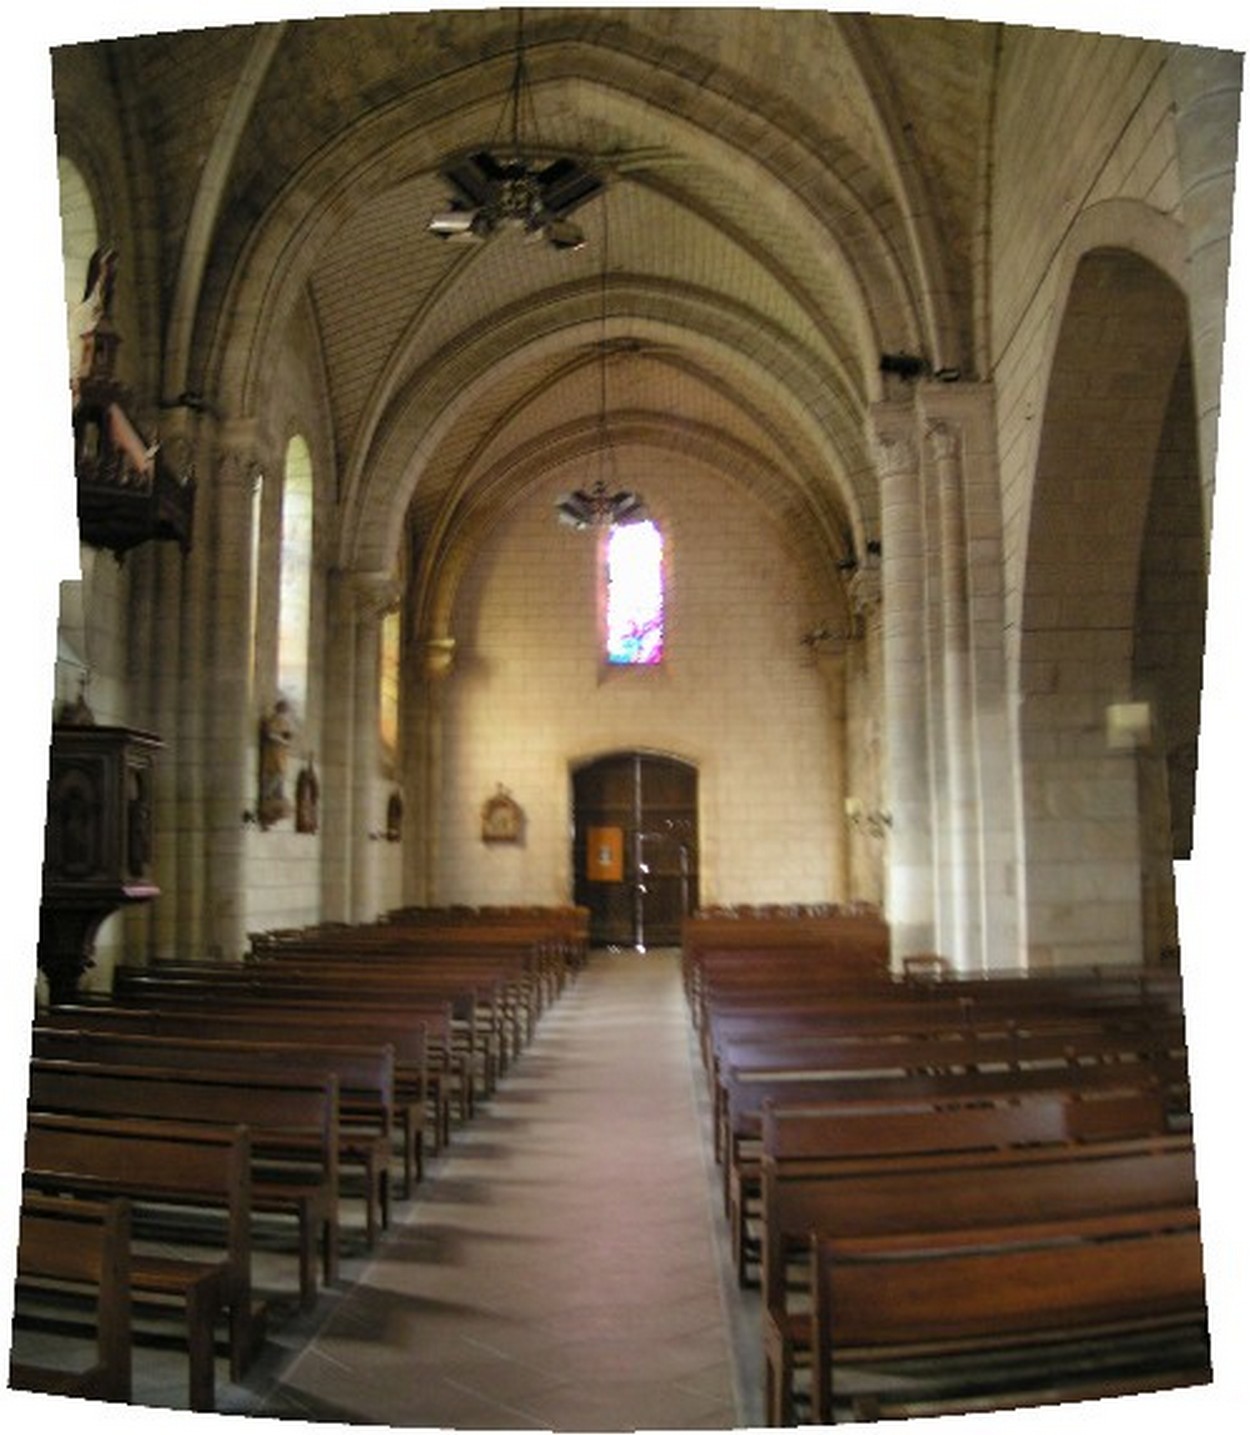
1111,624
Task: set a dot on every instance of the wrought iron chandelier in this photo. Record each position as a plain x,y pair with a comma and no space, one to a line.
519,185
599,507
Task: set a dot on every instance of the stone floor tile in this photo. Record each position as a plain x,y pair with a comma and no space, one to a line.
564,1265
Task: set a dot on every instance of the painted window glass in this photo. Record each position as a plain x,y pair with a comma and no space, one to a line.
635,594
295,598
388,685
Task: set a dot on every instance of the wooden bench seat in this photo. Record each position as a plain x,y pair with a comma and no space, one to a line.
908,1194
293,1121
235,989
421,1102
1156,1054
79,1245
511,992
365,1074
1019,1317
745,1099
791,1135
166,1164
490,1002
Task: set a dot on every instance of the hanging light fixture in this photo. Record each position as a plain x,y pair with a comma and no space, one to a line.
517,185
599,507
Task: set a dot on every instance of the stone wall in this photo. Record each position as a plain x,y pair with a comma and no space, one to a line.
738,695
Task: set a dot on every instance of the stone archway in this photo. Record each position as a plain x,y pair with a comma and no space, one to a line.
1117,490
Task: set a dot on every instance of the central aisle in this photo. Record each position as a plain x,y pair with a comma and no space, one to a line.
560,1267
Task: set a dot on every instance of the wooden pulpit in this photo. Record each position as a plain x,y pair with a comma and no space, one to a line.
97,844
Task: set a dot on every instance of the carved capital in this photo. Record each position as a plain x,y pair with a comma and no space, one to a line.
375,593
894,453
944,441
238,467
864,590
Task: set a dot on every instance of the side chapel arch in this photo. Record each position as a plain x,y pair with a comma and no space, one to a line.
1117,473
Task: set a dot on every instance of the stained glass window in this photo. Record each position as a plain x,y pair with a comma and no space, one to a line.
388,685
635,594
295,595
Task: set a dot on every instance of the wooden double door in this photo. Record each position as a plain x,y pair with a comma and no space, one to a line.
636,848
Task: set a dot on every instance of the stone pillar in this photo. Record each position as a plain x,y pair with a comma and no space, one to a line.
375,594
832,667
437,658
979,752
170,853
1206,89
192,715
226,690
166,633
909,896
864,716
961,926
337,748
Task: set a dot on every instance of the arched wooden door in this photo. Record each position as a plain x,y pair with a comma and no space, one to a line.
636,848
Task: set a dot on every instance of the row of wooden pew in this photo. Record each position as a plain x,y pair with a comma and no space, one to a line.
201,1109
954,1193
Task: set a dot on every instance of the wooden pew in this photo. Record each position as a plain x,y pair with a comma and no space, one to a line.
491,1018
166,1164
365,1075
745,1099
227,989
912,1193
1076,1310
243,987
513,989
794,1134
1154,1053
80,1245
293,1121
417,1092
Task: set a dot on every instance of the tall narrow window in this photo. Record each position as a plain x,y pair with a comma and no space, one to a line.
388,686
79,237
295,594
253,582
635,594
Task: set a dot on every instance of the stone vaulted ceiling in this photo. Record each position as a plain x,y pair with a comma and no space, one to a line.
789,195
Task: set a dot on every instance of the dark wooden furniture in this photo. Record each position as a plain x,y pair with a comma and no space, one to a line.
67,1245
98,848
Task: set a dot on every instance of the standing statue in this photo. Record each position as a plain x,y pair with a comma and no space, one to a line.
277,732
89,316
307,798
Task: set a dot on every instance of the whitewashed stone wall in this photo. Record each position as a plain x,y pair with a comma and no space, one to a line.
738,695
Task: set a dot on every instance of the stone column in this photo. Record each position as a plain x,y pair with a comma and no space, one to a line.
337,748
226,689
979,766
909,892
832,667
375,594
170,851
437,658
962,935
191,716
865,708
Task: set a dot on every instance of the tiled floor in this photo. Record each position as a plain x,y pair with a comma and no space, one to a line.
563,1265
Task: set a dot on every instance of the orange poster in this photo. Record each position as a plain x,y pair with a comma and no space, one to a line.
605,854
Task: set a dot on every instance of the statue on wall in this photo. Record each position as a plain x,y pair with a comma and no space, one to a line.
128,491
307,798
277,732
90,316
